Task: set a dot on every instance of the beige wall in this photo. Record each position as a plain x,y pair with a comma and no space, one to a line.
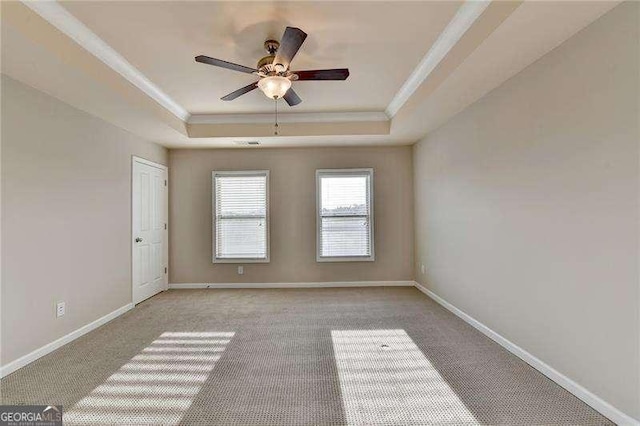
293,214
527,209
66,217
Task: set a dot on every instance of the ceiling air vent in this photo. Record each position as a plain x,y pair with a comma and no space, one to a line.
247,143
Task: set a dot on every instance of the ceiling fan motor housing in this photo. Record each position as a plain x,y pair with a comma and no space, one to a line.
265,64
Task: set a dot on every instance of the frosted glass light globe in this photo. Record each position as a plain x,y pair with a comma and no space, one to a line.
274,87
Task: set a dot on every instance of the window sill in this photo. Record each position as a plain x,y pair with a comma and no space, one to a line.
346,259
247,260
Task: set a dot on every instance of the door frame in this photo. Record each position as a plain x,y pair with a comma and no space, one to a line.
135,159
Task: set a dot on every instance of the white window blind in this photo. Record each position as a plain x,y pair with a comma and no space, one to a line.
240,216
345,215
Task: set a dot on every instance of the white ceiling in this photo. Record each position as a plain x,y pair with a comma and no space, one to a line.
382,43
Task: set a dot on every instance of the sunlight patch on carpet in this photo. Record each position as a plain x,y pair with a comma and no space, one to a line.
386,379
158,385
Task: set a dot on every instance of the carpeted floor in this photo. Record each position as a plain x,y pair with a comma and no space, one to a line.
361,356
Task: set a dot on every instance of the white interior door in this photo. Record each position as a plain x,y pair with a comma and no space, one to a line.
149,225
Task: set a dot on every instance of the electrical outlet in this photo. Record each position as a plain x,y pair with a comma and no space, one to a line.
422,268
240,270
60,309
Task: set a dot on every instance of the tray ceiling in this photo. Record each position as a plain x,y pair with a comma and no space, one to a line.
413,64
380,42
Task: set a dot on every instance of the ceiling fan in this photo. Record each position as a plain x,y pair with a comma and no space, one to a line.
273,69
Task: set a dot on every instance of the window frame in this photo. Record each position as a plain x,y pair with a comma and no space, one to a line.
239,173
345,173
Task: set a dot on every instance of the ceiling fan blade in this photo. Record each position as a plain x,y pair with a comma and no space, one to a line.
224,64
334,74
292,97
291,41
246,89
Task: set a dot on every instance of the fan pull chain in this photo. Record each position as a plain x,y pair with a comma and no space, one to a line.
275,128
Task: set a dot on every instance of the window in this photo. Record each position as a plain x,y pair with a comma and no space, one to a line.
240,216
345,215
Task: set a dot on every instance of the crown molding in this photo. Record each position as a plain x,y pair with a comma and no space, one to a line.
313,117
54,13
464,18
302,129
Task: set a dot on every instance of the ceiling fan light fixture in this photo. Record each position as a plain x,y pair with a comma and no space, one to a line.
274,87
274,69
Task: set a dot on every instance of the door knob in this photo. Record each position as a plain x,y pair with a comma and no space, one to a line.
138,240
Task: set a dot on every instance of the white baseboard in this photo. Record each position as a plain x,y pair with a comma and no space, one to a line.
295,285
586,396
50,347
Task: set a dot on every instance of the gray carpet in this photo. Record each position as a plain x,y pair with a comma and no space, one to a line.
362,356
